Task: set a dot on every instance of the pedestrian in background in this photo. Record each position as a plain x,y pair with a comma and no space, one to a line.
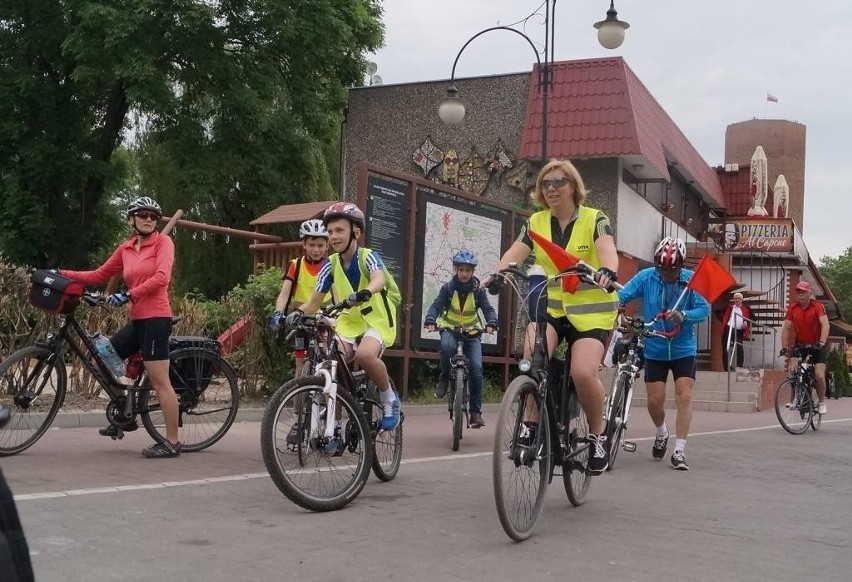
736,326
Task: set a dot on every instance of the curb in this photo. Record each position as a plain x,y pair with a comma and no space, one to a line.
97,418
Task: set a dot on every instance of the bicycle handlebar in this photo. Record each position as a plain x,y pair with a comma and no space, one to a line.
581,269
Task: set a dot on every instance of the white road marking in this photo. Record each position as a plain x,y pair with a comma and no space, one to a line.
246,476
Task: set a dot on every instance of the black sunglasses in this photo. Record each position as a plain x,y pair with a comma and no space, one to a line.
147,216
555,182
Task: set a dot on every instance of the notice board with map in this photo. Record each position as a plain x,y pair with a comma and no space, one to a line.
445,225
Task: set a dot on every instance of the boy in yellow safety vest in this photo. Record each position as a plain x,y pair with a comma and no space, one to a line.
457,305
369,325
300,282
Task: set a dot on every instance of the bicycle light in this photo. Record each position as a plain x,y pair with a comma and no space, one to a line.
525,366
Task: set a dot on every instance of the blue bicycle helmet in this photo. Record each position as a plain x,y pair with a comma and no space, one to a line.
465,257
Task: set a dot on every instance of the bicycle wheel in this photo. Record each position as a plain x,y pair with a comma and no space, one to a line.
521,459
32,386
816,419
574,475
322,481
208,398
793,414
615,422
387,444
458,406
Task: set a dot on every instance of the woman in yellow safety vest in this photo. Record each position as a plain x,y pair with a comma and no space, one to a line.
583,318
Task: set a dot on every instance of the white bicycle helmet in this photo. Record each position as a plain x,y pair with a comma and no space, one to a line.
313,228
144,203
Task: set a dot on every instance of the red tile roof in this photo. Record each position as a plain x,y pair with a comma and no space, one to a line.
599,108
293,213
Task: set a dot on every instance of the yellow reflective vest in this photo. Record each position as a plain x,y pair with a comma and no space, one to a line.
589,307
456,314
380,312
303,286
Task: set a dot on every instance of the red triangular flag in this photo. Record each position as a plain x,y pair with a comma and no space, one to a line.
560,257
710,279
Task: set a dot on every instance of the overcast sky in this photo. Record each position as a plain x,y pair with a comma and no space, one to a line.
709,63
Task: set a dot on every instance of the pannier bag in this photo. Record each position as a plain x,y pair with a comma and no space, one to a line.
54,293
194,373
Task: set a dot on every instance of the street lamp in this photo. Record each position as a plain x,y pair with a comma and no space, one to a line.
610,35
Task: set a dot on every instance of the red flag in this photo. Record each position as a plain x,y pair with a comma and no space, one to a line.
710,279
561,258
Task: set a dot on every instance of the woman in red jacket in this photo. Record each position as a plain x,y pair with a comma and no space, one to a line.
145,261
736,325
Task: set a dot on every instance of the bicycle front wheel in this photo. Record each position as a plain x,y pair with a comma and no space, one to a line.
208,399
793,407
322,477
458,406
616,417
576,460
521,459
387,444
32,386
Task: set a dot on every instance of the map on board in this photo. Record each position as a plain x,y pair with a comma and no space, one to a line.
448,230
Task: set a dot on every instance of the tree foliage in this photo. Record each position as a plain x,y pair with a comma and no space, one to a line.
231,108
837,272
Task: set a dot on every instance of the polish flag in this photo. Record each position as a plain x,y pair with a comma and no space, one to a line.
771,98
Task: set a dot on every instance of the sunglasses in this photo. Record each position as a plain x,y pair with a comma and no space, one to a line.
147,216
555,182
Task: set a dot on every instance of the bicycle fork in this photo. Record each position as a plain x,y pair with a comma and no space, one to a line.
329,391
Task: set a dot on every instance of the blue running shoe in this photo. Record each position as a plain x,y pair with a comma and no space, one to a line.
334,446
390,419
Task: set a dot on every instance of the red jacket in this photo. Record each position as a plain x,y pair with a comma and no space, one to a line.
746,313
147,273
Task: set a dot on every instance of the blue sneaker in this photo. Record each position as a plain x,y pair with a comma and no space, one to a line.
334,446
390,420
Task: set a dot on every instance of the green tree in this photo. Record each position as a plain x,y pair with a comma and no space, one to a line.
837,272
233,106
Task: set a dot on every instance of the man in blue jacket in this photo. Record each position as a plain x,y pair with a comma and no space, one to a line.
659,288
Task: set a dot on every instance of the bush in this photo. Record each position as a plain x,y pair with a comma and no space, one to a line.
839,365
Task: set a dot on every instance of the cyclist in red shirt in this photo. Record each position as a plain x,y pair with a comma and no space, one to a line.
145,261
807,323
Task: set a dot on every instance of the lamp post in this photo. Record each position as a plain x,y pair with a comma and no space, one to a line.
610,35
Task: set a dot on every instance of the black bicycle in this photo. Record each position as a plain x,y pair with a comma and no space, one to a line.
458,395
337,413
34,380
629,357
541,427
796,400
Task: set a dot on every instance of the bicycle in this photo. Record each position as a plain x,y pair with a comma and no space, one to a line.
527,453
629,358
338,415
458,396
796,399
34,379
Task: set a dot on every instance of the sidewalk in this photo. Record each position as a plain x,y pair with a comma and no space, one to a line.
97,418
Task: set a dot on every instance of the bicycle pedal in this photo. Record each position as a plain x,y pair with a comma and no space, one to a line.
629,446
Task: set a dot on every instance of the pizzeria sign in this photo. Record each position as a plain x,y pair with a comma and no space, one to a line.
769,235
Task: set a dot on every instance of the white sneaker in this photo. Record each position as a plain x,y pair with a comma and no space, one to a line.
792,405
822,409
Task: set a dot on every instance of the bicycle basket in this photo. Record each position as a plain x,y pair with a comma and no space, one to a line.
194,373
54,293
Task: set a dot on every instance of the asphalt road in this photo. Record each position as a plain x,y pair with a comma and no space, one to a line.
758,504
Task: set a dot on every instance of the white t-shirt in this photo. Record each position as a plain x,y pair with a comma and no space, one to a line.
737,321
